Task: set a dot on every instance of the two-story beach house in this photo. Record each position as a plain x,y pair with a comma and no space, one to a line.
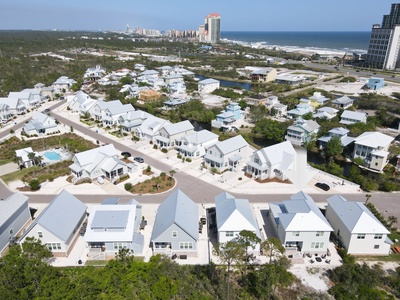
373,148
272,161
176,226
300,224
357,228
227,154
302,131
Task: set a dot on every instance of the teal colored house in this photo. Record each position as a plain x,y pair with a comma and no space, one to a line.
375,83
230,115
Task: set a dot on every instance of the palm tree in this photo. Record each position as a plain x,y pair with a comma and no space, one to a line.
391,221
32,156
368,196
171,174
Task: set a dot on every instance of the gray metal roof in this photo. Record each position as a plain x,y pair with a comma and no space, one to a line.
356,216
231,144
110,219
179,209
10,205
178,127
62,215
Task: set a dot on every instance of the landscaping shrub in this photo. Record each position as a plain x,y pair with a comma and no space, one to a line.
188,159
164,150
128,186
34,184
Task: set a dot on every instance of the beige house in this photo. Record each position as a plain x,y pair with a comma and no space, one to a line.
264,75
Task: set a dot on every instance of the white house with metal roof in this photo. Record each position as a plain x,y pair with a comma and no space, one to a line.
227,154
40,124
302,131
75,102
325,112
170,135
234,215
343,102
360,232
100,162
29,99
114,226
113,112
5,113
150,127
272,161
23,156
63,84
100,109
339,132
207,86
176,226
373,148
16,106
195,144
130,120
300,224
349,117
14,216
58,225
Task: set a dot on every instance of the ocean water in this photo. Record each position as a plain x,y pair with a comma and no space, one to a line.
347,41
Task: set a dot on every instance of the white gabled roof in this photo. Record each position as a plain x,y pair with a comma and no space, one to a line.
374,139
208,81
356,216
172,129
87,157
354,115
274,154
232,144
199,137
301,214
234,214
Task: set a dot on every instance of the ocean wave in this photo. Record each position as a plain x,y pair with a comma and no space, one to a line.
292,48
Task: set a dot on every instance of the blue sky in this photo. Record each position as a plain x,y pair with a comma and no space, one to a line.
236,15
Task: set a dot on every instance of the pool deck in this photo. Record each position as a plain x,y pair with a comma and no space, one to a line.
64,155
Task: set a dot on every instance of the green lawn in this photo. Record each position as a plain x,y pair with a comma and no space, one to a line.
391,257
5,161
17,175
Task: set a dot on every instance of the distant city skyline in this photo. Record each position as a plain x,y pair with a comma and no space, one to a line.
258,15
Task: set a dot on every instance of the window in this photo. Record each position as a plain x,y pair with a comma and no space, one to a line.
319,233
174,234
361,236
186,245
40,234
54,246
118,246
296,233
317,245
229,233
378,236
376,246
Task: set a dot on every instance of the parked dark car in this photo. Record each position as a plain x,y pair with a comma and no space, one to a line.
139,159
323,186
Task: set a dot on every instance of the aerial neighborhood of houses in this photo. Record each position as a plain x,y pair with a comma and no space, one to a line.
175,227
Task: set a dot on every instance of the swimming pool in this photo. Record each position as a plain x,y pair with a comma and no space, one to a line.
51,155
